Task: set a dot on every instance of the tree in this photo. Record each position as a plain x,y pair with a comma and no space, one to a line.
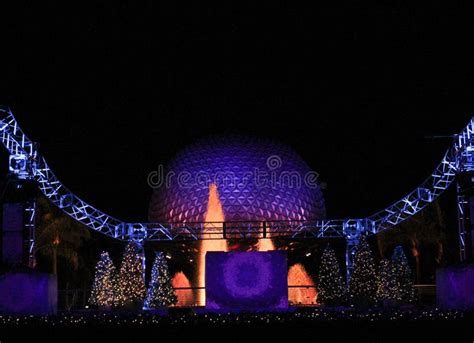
103,288
403,276
331,285
58,235
131,285
160,292
425,229
387,286
362,284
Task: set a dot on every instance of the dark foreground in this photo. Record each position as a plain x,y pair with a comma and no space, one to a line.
303,325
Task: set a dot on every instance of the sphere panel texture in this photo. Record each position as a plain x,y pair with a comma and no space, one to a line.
256,179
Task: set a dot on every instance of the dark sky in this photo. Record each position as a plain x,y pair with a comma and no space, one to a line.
111,91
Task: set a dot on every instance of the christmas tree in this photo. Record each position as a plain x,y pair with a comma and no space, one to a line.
363,281
131,285
387,286
403,276
103,288
160,292
331,285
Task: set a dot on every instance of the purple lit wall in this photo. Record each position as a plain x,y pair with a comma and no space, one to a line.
28,293
12,232
246,280
455,287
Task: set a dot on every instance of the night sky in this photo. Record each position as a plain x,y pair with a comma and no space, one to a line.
112,91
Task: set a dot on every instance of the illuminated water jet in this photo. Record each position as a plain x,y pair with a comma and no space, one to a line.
236,196
297,276
265,245
213,223
185,296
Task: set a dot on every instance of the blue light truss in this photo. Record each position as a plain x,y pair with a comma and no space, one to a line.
26,163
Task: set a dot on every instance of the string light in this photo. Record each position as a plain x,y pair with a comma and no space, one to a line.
362,285
149,318
331,287
387,286
103,288
131,285
403,276
160,292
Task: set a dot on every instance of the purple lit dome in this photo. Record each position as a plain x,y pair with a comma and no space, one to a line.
256,179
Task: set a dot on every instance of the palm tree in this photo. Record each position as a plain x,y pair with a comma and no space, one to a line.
58,235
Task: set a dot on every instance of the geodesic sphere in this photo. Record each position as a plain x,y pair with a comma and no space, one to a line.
257,180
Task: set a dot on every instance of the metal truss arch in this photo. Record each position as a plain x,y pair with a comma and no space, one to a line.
25,162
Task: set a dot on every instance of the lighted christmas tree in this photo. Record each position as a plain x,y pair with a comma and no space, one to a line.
103,288
403,276
131,285
331,285
160,292
363,281
387,286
